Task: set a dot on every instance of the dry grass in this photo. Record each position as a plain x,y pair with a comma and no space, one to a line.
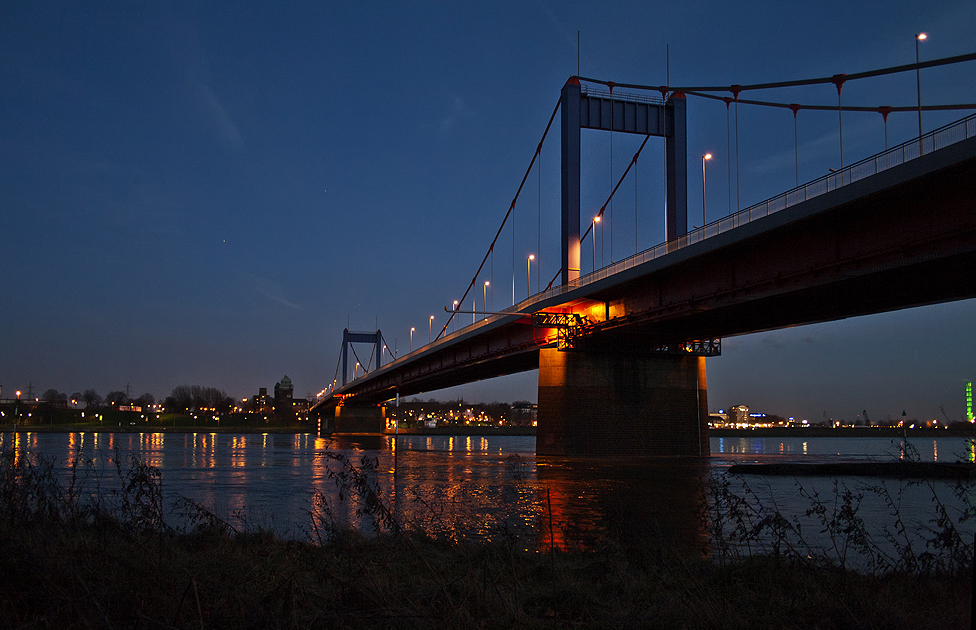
111,562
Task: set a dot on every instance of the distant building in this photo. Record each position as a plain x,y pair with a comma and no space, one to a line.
282,406
739,414
284,391
262,402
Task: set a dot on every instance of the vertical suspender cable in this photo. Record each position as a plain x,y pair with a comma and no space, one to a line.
728,149
738,205
838,81
735,89
796,145
611,173
667,82
884,110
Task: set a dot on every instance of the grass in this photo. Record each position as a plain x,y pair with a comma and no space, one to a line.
77,553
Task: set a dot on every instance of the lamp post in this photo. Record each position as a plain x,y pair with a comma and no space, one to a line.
411,338
528,276
596,220
707,156
355,371
485,298
430,327
454,316
919,37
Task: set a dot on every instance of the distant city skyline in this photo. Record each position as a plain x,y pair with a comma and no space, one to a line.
202,195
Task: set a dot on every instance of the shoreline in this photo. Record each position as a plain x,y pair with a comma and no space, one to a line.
807,432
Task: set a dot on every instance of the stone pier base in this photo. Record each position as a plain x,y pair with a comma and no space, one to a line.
614,403
353,420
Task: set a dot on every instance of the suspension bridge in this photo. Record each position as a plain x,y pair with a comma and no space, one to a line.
621,349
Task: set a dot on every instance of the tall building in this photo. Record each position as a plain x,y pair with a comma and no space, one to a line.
284,391
283,394
262,402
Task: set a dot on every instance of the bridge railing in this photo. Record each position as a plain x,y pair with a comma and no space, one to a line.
621,95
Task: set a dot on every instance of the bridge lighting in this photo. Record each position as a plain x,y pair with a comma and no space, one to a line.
430,327
707,156
596,220
411,338
485,298
528,276
454,317
919,37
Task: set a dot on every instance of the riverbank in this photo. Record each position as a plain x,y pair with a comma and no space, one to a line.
484,431
154,428
845,432
68,559
211,578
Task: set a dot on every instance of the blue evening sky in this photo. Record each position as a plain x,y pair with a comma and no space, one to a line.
207,193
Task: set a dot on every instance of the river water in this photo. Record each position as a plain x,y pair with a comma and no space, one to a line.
488,487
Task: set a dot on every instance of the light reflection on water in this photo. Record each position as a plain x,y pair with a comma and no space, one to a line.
954,449
483,486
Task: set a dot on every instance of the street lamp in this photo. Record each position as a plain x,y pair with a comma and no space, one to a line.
411,338
355,371
485,298
596,220
919,37
430,327
707,156
454,316
528,275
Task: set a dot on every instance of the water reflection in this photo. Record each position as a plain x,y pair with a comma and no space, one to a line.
648,501
471,486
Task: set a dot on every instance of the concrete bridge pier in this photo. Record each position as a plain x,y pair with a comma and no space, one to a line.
621,403
358,420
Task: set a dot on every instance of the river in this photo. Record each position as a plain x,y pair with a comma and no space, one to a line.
487,487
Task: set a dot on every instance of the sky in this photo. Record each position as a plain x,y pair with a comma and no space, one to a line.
208,193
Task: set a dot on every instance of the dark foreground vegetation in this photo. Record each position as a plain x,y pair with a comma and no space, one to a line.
81,554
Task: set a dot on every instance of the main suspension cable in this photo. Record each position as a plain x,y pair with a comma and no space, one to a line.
502,226
735,89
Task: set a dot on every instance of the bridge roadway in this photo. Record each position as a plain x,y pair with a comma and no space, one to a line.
853,243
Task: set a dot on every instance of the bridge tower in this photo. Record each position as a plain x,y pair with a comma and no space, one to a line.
613,396
356,418
582,110
360,337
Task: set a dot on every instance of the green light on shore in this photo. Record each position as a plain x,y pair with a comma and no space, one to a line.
969,401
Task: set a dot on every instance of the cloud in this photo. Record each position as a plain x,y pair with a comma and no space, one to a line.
458,113
273,292
218,114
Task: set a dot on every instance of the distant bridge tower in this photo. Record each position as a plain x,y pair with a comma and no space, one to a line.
581,110
360,337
